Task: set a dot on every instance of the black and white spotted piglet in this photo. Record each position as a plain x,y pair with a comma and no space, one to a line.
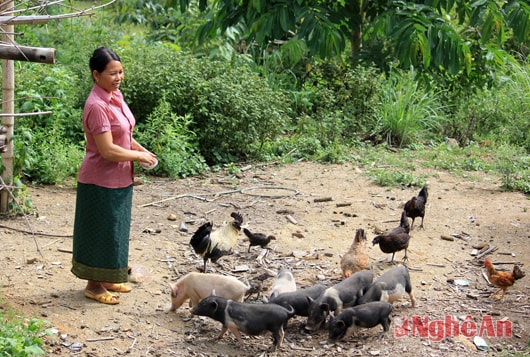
252,319
367,316
389,287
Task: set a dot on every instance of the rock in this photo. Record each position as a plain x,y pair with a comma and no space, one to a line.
183,228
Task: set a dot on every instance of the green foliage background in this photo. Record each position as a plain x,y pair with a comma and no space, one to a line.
199,112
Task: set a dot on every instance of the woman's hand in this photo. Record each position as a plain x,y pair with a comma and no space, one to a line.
146,157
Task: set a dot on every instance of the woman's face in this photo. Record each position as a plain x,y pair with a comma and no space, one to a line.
111,77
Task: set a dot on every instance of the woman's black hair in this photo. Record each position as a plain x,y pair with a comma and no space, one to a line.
101,57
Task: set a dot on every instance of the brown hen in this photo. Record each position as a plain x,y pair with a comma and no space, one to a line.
355,259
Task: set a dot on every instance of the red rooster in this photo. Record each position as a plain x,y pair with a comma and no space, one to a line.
502,279
215,244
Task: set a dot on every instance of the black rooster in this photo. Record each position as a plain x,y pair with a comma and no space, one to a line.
396,239
215,244
415,207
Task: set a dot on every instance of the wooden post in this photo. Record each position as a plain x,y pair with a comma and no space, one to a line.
8,107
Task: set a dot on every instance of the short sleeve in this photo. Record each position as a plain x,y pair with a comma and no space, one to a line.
97,119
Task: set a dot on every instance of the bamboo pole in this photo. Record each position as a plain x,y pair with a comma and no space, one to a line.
30,54
8,106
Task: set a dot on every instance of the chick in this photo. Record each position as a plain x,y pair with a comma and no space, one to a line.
258,239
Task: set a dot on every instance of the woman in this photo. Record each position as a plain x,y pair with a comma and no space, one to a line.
105,183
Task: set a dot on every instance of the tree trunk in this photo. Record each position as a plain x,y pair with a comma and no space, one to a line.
356,40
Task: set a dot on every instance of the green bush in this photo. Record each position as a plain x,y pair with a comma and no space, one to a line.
58,160
514,167
20,337
498,114
340,98
169,137
396,178
234,111
48,147
223,112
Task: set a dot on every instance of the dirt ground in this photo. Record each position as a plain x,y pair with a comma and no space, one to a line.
279,200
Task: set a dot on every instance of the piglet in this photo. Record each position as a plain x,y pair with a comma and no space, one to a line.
283,283
298,299
367,315
389,287
252,319
196,286
337,297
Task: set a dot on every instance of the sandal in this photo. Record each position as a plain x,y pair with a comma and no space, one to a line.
119,288
105,298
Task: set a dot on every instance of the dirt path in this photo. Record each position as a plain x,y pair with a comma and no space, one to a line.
473,209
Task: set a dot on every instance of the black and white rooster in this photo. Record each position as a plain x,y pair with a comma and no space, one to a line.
217,243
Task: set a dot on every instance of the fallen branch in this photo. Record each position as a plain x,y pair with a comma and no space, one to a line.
24,214
174,198
36,233
323,199
131,346
55,241
415,268
99,339
513,262
467,238
296,348
486,278
487,251
448,238
436,265
291,219
242,191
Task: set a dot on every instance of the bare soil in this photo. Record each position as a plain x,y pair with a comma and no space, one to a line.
36,279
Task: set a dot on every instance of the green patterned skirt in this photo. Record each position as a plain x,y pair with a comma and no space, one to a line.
101,233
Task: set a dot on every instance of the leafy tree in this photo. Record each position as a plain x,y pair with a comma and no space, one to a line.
444,36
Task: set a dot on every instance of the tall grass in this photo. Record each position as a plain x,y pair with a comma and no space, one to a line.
407,113
516,106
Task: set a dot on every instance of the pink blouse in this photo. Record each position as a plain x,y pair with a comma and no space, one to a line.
103,113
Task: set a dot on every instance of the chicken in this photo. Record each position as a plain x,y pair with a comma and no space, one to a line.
415,207
215,244
502,279
355,259
258,239
396,239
